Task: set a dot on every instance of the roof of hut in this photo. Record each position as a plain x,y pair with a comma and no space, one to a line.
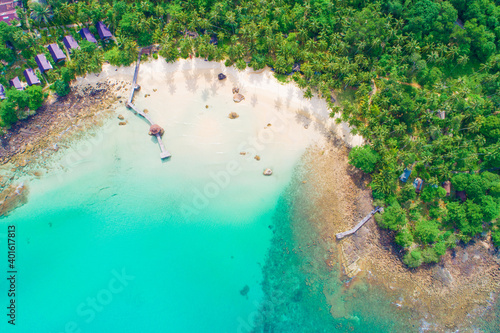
405,175
462,195
2,92
70,42
155,129
8,10
447,186
103,30
87,35
42,62
56,52
418,183
16,83
31,77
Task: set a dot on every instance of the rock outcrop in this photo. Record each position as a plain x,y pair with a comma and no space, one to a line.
238,98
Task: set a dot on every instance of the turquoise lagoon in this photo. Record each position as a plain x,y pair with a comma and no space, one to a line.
114,240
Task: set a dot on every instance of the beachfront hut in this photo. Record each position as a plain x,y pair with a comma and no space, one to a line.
418,183
43,63
16,83
447,186
2,92
56,52
103,30
70,43
405,175
87,35
31,77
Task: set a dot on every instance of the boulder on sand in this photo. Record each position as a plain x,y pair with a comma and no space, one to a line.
233,115
238,98
221,77
268,172
236,90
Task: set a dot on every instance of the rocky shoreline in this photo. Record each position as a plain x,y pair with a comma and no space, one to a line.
28,145
450,294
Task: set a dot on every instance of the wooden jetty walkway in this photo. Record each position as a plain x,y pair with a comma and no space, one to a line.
360,224
164,153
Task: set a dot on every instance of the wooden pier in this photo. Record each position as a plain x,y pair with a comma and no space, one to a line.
360,224
164,153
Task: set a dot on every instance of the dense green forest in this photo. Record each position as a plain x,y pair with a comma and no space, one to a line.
419,80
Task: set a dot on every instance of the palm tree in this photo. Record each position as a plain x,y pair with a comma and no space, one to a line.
40,12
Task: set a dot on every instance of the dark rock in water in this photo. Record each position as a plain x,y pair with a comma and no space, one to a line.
121,117
221,76
245,290
122,123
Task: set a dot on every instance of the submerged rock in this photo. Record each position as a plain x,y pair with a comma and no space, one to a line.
233,115
12,197
238,98
121,117
268,172
245,290
257,157
122,123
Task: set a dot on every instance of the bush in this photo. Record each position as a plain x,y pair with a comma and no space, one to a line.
404,238
61,88
364,158
429,255
413,259
394,218
427,231
495,236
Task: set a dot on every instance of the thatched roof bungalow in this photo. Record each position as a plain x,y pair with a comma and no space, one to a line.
31,77
16,83
42,62
87,35
70,43
56,52
103,30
